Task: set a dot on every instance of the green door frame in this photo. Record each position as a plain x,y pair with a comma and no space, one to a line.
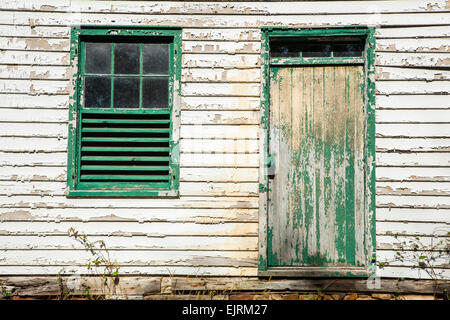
265,159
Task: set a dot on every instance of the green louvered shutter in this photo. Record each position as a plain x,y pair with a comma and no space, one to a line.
124,147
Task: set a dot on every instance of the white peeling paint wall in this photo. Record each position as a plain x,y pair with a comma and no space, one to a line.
212,228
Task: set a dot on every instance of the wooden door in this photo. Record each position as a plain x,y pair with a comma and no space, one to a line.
316,196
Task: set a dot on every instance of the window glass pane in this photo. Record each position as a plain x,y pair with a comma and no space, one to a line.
348,50
126,92
97,92
156,58
126,58
98,58
155,92
285,49
316,50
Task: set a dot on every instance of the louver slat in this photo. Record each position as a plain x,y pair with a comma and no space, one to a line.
125,147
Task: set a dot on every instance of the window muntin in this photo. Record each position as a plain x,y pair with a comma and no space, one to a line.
124,140
126,75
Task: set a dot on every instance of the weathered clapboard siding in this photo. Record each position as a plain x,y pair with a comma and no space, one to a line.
221,75
220,103
33,44
212,228
407,145
37,201
413,214
34,72
240,271
225,8
186,174
130,215
216,243
33,101
406,101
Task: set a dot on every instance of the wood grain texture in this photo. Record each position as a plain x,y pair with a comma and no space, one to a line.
318,121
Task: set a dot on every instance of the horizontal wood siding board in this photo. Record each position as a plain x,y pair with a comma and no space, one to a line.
227,34
400,59
411,87
408,144
129,215
413,116
245,8
413,215
26,270
413,159
220,103
136,258
409,101
233,47
60,201
413,188
111,228
206,75
31,44
284,284
411,228
231,174
8,100
411,74
229,20
428,243
412,32
412,130
186,243
18,72
414,45
412,174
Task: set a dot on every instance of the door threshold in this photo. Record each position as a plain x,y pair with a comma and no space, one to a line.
315,272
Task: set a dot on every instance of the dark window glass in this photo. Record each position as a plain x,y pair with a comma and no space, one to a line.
98,58
155,92
316,50
126,92
97,92
156,58
126,58
348,50
285,49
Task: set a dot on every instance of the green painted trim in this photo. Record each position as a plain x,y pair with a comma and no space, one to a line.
127,111
369,99
145,31
73,109
124,193
264,147
317,32
316,272
171,35
370,149
315,61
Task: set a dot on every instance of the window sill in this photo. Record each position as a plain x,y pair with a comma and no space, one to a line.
150,193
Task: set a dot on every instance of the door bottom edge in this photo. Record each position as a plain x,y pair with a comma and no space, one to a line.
316,272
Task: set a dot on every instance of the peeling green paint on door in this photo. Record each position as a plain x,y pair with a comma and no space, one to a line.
316,212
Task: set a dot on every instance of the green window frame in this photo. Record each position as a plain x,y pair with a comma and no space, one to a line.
124,122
